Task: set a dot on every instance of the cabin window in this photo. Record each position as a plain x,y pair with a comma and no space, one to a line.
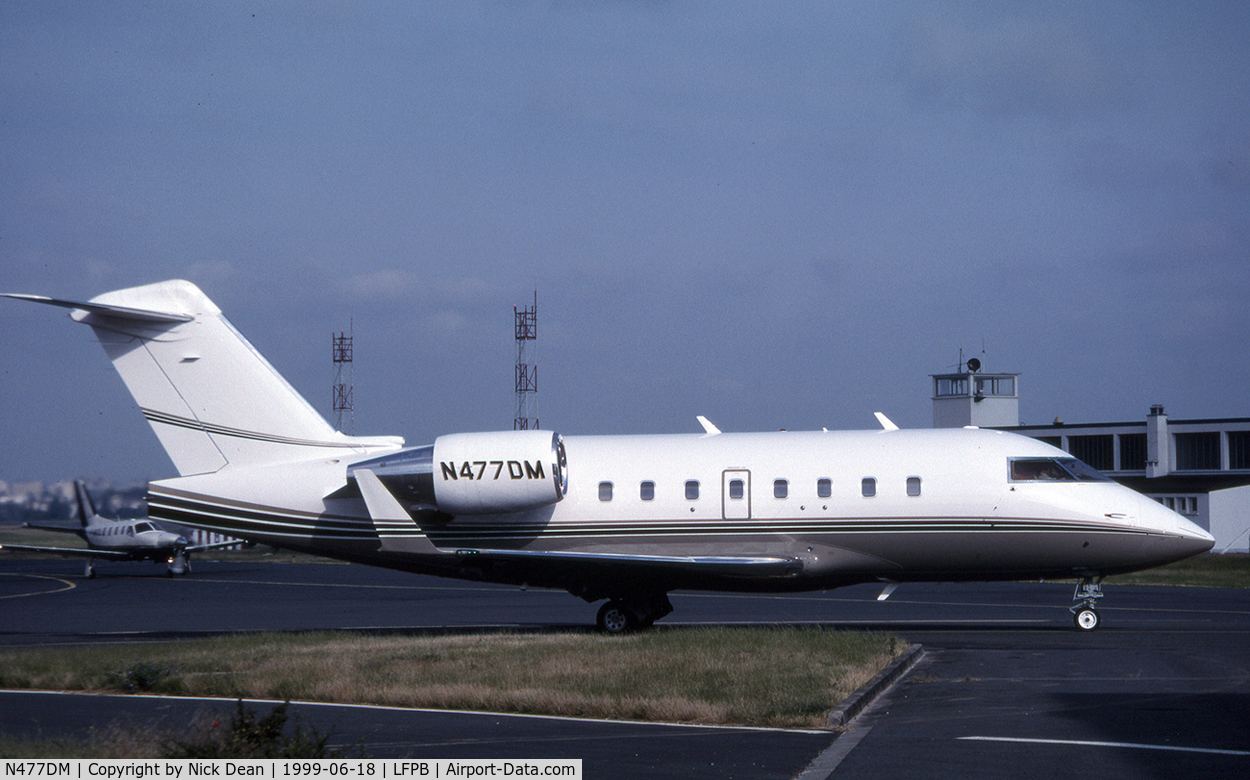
913,486
824,488
692,489
781,488
737,489
646,491
605,491
868,486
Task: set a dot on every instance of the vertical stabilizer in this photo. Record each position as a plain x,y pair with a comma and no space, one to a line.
86,507
210,397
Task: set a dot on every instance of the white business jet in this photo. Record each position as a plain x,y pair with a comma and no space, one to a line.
626,519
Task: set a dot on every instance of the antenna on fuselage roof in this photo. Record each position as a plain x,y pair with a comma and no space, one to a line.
886,422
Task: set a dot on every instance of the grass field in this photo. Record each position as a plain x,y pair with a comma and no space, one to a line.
1229,570
744,676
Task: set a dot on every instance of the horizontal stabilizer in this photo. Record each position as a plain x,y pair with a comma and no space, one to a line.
105,310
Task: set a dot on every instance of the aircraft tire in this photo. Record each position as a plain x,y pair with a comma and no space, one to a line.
1086,619
614,618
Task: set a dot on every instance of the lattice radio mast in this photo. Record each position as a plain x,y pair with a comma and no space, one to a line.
526,367
341,352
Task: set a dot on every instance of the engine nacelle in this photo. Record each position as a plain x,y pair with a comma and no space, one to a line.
476,473
508,471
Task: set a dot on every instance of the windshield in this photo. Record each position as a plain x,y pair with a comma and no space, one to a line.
1054,470
142,528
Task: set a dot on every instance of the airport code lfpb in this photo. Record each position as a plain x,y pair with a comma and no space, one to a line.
182,769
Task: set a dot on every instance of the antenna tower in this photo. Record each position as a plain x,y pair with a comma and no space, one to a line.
341,352
526,367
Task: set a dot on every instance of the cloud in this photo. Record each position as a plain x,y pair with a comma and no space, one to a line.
1008,65
386,285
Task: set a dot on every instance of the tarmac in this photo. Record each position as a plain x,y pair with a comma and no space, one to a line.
1005,686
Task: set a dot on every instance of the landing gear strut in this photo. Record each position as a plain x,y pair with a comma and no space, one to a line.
620,615
1084,614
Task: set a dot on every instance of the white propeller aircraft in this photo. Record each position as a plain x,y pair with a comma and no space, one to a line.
120,540
626,519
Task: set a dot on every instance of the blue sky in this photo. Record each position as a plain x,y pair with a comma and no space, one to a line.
775,215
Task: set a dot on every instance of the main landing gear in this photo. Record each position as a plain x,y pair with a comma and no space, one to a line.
1084,614
620,615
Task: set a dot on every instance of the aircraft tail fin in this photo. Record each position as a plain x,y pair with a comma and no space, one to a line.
86,507
210,397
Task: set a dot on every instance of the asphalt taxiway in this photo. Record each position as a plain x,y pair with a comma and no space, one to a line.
1007,686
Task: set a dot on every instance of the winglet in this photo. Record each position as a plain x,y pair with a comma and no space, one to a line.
708,427
396,529
885,422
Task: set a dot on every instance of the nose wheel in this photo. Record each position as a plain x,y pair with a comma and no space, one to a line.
1086,618
1084,614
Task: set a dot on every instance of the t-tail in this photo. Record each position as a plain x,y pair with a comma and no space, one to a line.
210,397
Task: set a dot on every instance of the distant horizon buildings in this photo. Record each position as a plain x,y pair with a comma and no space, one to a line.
1199,468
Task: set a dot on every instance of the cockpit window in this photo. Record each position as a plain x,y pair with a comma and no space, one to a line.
142,528
1054,470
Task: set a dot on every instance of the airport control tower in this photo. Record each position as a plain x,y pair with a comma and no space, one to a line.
973,397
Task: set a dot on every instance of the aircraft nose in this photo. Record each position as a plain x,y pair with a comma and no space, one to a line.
1193,539
1185,537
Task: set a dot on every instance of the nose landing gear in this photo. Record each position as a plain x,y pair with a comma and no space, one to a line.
1084,614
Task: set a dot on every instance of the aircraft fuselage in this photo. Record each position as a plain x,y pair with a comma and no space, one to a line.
845,506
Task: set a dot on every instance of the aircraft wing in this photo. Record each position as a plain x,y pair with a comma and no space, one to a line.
720,565
214,546
84,552
399,533
58,528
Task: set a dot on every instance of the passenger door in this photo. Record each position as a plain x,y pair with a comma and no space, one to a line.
736,494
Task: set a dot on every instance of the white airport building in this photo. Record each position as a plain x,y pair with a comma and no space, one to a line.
1200,468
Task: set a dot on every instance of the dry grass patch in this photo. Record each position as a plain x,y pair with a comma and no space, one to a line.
750,676
1211,570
